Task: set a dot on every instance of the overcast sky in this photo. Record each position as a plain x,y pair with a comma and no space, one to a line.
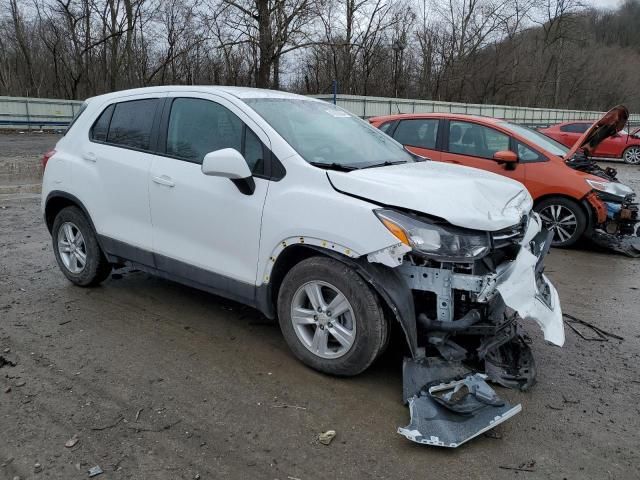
604,3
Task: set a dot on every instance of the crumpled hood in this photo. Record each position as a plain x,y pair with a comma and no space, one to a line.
464,196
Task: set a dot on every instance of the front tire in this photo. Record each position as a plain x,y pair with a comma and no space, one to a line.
632,155
76,249
565,218
330,318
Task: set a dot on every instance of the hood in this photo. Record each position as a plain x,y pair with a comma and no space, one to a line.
464,196
609,124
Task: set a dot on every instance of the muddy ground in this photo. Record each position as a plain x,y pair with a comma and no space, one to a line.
160,381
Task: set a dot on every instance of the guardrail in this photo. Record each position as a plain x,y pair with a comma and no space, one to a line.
366,107
36,113
43,113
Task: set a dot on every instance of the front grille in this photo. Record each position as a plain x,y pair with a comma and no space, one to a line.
511,235
506,244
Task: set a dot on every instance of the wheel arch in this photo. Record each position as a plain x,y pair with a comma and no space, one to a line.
583,204
56,201
387,283
564,196
624,152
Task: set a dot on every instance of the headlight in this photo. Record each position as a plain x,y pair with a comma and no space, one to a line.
612,188
441,242
520,204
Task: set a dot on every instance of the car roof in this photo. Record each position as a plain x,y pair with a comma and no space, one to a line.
572,122
452,116
238,92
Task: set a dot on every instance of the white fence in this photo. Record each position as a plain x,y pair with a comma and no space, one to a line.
374,106
42,113
36,113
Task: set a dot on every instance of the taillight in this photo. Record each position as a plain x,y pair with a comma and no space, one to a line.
46,157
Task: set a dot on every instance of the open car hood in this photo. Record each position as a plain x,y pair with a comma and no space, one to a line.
463,196
609,124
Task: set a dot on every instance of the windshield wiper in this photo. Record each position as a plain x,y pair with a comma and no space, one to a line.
386,163
334,166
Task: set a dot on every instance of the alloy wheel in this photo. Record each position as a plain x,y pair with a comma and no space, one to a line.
72,247
561,221
632,155
323,319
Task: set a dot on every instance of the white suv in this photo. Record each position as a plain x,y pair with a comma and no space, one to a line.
309,214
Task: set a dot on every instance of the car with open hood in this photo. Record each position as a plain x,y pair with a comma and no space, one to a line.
309,214
572,194
623,145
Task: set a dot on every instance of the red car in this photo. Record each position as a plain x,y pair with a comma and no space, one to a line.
622,145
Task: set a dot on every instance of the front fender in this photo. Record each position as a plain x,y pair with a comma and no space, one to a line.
323,245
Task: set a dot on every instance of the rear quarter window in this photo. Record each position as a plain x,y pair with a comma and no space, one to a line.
100,128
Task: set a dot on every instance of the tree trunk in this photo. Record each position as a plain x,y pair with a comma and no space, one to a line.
265,45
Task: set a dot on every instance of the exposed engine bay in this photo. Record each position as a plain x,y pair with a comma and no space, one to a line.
616,220
467,332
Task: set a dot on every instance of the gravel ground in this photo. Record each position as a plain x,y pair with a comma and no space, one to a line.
160,381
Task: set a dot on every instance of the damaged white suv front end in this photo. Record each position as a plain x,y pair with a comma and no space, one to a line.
470,277
466,271
453,254
470,291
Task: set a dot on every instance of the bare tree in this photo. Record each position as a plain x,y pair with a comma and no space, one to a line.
275,27
523,52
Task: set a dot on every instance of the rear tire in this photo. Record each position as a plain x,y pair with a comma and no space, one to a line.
565,218
631,155
343,342
76,248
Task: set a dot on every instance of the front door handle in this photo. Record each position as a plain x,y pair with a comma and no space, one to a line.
164,180
90,157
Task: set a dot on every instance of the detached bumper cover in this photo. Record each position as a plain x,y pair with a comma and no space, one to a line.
435,417
529,292
626,244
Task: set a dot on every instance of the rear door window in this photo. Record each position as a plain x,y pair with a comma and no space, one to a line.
466,138
421,133
131,124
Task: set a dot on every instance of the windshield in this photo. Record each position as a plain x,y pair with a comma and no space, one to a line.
537,138
324,134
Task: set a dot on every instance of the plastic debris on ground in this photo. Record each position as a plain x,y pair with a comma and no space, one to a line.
451,413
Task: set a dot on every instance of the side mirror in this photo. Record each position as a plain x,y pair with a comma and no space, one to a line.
506,156
229,163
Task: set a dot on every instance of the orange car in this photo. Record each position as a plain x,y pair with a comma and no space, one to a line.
572,194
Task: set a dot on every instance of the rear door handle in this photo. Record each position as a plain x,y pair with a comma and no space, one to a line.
90,157
164,180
